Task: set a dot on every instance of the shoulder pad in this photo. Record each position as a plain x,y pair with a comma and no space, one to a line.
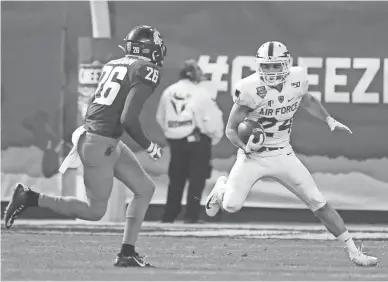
242,94
298,72
247,83
149,74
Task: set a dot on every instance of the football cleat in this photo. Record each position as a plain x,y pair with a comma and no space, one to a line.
17,204
361,259
131,261
214,200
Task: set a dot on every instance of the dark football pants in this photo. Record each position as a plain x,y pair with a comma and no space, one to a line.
103,159
189,161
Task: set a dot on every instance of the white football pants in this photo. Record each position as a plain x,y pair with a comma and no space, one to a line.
287,169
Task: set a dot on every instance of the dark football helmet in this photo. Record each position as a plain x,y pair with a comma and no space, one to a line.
145,41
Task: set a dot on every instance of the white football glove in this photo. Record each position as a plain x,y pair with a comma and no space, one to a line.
154,151
334,124
255,142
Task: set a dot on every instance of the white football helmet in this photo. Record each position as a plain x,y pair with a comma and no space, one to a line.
273,52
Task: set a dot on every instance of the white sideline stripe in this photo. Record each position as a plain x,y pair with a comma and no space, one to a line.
264,235
180,225
285,235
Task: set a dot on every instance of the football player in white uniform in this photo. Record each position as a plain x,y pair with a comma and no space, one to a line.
271,96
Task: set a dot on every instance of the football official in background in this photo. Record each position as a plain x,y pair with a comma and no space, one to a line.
192,123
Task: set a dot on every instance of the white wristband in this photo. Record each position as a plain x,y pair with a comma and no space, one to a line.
331,123
329,119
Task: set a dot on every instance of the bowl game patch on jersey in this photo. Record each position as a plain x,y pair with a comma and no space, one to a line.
261,91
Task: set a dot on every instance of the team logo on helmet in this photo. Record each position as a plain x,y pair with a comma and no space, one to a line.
157,38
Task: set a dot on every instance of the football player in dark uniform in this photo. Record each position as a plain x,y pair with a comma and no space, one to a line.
124,85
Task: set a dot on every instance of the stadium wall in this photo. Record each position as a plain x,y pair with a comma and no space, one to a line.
341,44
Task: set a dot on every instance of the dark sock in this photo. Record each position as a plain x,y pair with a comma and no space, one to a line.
33,198
127,250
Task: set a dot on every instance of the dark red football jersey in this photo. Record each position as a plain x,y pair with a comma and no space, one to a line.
117,78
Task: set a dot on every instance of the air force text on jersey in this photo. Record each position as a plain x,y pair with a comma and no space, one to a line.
281,110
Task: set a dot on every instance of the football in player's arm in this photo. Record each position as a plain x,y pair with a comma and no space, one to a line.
243,105
133,106
237,115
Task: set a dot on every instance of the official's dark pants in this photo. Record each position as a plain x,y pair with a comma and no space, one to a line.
189,161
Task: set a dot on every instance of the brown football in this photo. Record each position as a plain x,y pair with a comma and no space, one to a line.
248,127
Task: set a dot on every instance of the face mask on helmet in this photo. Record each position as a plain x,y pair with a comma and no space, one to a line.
157,56
273,72
273,63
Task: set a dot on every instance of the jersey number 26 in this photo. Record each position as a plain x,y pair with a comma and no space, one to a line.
109,85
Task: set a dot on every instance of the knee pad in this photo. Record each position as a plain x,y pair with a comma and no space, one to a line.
231,201
231,207
316,201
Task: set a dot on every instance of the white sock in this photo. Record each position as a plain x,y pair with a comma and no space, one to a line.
348,242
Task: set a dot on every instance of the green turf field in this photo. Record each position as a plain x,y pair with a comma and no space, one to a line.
28,254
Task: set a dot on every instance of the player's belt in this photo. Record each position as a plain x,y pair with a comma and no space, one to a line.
268,149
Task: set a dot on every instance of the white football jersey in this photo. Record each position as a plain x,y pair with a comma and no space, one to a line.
271,108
